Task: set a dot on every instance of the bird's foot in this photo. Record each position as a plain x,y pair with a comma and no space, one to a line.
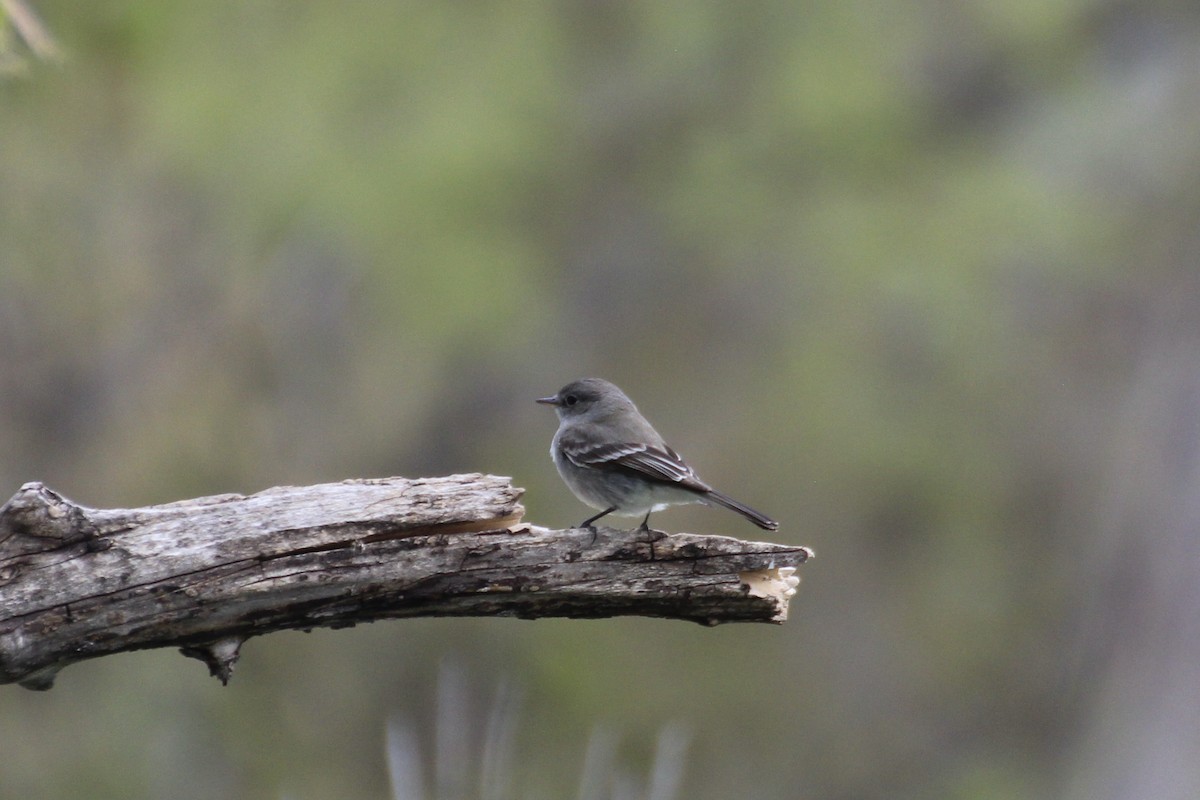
650,534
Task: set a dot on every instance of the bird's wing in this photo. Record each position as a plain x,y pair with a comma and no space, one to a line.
658,463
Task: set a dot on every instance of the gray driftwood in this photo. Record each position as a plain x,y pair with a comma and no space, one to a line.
206,574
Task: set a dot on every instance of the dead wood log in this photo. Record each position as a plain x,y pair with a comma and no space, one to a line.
204,575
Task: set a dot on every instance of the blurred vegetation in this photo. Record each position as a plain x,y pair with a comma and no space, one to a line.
918,280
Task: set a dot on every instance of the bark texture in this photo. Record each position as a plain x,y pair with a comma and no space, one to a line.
204,575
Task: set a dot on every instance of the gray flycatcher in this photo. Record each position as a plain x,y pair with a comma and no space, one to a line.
612,459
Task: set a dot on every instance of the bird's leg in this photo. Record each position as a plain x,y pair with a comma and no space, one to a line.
654,535
587,523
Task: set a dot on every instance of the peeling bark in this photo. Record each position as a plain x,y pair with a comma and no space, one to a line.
206,574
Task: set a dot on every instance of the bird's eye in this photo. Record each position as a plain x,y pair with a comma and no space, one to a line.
570,400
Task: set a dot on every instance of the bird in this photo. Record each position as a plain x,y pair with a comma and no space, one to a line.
613,460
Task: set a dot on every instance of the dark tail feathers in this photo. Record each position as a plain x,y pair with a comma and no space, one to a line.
761,520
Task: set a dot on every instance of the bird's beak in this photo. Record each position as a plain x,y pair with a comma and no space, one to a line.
550,401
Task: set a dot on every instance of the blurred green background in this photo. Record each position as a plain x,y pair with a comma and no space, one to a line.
919,280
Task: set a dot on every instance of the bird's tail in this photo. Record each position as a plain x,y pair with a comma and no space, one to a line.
759,519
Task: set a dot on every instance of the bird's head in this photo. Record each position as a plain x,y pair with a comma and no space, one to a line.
587,396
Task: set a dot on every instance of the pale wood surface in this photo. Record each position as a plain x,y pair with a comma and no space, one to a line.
206,574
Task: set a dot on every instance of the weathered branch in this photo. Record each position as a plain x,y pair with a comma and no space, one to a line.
206,574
